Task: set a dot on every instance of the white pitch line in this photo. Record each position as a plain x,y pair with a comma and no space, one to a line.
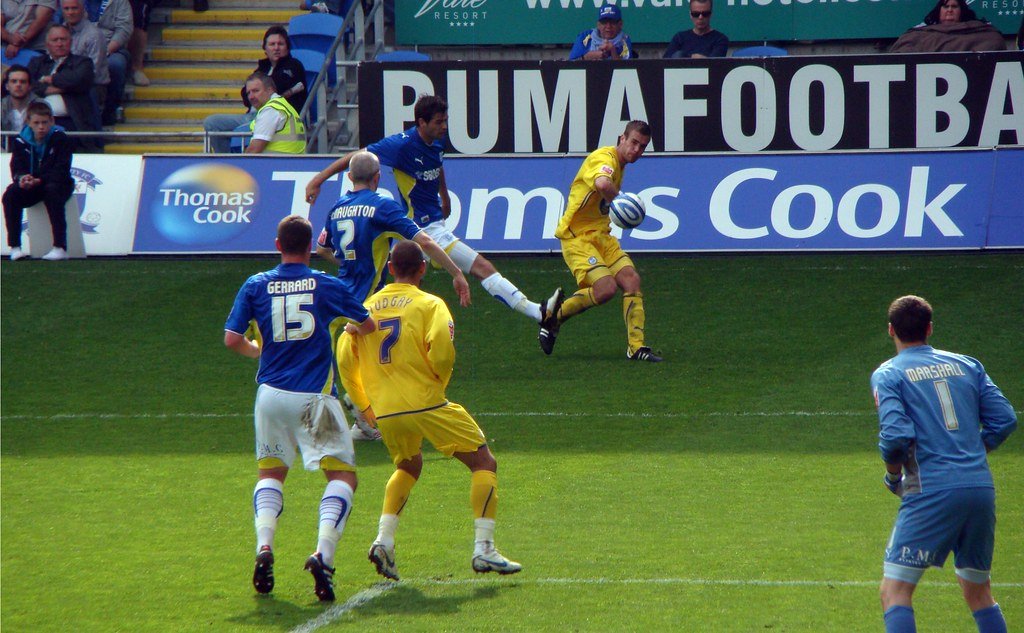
337,611
485,414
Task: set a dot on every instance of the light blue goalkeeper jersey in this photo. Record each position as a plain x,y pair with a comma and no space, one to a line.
293,307
938,412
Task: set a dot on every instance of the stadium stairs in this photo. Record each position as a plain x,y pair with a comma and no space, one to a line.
196,64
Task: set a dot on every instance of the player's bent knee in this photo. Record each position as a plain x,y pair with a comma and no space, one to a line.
482,268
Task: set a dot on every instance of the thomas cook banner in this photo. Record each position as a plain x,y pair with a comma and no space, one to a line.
714,105
559,21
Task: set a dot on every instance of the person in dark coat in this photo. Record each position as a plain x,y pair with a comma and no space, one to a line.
40,171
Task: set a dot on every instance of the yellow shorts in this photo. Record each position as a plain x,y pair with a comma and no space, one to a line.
449,427
594,255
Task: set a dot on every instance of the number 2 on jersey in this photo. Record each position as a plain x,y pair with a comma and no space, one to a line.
347,228
393,328
288,309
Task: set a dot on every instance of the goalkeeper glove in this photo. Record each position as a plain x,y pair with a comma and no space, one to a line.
894,482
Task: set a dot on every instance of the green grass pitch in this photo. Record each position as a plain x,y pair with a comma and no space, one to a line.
734,487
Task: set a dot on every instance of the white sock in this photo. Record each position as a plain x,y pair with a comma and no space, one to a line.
335,507
484,529
506,292
268,504
386,529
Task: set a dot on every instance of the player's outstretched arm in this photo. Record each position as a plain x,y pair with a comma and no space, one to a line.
606,188
338,166
437,254
241,345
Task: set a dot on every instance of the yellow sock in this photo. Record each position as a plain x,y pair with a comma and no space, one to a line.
396,492
483,494
581,300
633,315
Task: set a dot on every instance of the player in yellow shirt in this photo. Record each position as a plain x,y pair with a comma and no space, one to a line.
595,258
397,377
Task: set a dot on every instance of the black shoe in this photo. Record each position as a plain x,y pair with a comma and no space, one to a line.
549,321
644,354
323,576
263,576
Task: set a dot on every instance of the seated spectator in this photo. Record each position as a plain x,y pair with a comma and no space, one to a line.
114,20
41,172
288,75
87,41
24,24
64,80
606,41
701,40
277,127
18,83
950,26
322,6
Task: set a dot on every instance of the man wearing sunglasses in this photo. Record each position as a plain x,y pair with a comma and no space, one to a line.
701,40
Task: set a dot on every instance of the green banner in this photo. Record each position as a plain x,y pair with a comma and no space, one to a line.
479,22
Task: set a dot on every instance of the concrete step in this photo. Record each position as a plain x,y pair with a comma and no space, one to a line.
164,72
262,17
155,148
250,54
186,93
212,34
167,114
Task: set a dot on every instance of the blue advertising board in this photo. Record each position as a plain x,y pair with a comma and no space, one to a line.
955,199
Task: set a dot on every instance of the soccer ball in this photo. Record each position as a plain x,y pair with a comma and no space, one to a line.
627,211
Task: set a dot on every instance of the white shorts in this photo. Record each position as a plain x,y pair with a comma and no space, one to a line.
313,423
462,255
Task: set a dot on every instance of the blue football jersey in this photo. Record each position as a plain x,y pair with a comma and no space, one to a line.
417,168
359,230
938,412
292,307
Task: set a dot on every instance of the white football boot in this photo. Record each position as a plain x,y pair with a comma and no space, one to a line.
383,558
487,558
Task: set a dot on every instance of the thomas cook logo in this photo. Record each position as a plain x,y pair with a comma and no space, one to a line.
206,203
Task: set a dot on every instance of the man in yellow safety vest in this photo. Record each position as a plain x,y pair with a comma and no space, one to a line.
277,127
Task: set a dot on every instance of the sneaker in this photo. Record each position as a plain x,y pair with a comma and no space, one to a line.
56,254
362,431
17,253
263,576
383,558
549,321
490,559
643,353
323,576
139,78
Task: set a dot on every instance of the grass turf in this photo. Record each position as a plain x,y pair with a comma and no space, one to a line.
734,487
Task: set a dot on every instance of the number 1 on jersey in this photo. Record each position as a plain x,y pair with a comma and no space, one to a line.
946,402
393,328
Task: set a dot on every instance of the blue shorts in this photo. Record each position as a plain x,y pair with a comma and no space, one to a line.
930,525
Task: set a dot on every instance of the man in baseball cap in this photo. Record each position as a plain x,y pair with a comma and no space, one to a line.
606,41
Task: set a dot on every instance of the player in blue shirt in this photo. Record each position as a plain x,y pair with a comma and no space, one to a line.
416,156
291,309
939,414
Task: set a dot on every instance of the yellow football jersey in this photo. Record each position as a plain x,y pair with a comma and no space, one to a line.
406,363
583,212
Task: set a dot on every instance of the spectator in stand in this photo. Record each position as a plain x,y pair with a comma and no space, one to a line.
701,40
288,75
18,82
139,41
951,25
88,41
65,80
322,6
114,20
606,41
277,128
40,172
24,24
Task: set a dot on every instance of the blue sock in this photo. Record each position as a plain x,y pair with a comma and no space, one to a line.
900,619
990,620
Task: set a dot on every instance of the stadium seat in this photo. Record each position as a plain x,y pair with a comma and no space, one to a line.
23,57
239,143
760,51
312,62
315,31
402,56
